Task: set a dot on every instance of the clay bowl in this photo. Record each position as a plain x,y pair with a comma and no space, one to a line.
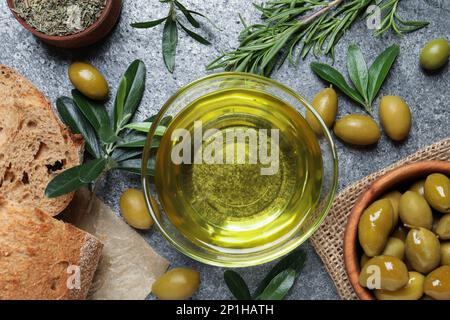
89,36
397,178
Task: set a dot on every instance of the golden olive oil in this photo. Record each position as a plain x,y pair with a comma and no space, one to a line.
234,206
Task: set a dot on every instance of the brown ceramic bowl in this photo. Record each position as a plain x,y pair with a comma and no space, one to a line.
396,178
89,36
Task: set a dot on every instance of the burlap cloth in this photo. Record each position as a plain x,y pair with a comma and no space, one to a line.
328,240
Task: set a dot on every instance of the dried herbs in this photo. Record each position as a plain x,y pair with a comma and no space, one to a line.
60,17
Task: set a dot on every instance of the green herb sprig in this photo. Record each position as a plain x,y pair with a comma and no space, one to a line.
111,141
275,285
392,21
291,29
367,81
170,32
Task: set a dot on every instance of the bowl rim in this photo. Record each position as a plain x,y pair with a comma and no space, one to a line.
377,188
70,37
150,201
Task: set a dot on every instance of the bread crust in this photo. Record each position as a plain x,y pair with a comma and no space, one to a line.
34,145
40,256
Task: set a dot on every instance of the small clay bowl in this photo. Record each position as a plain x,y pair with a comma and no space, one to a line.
396,178
91,35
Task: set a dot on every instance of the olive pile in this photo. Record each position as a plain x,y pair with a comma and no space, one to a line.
395,117
406,242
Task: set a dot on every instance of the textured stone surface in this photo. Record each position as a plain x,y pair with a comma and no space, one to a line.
427,95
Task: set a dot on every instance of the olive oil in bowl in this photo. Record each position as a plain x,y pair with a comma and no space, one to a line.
239,204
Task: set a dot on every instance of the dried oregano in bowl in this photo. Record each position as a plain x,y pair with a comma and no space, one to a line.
60,17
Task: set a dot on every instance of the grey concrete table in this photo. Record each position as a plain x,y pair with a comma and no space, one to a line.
427,95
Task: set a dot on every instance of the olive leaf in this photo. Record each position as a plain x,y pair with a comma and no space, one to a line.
77,123
97,116
126,154
379,70
65,182
187,14
148,24
275,285
129,94
135,166
237,285
169,44
294,261
92,169
194,35
279,286
330,74
136,140
145,127
357,70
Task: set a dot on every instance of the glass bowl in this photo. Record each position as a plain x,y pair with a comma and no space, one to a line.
213,255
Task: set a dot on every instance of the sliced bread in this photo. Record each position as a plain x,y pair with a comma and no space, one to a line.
44,258
34,145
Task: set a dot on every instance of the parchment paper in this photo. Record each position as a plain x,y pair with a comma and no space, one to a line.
128,266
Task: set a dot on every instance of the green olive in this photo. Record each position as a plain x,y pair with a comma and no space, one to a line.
437,192
394,197
394,248
363,260
419,187
326,105
384,272
435,54
88,80
437,283
423,250
445,253
176,284
134,210
357,130
412,291
400,233
375,226
415,211
443,227
395,116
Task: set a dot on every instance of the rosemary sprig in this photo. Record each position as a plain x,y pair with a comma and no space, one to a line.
294,28
393,21
170,33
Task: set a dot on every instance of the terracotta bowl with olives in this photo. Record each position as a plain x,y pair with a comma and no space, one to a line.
90,35
397,239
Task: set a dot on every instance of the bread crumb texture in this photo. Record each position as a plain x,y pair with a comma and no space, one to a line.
34,145
39,253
